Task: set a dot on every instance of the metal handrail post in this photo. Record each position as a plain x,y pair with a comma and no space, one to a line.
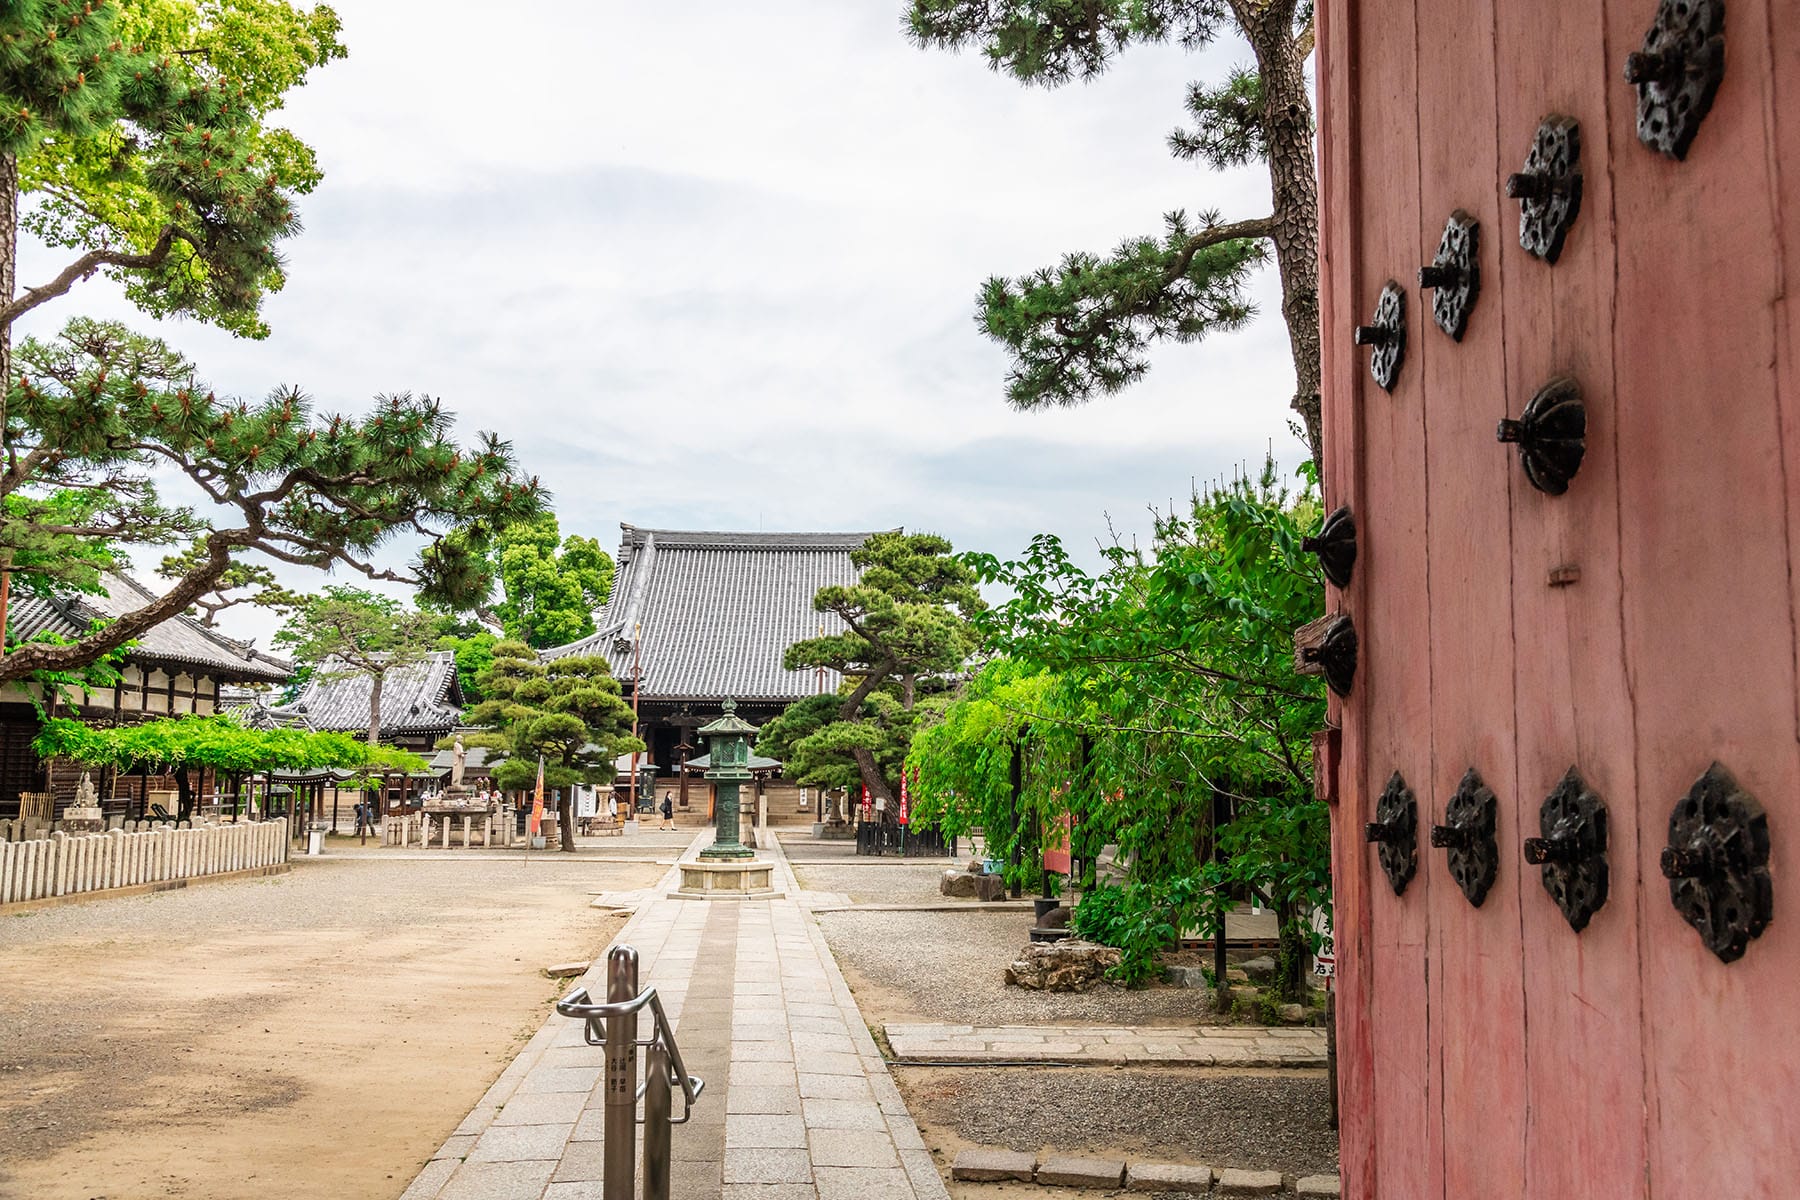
621,1077
656,1120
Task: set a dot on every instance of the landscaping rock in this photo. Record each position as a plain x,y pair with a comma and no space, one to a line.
567,970
989,887
1259,970
1168,1177
1317,1185
958,883
1249,1183
1069,965
1081,1172
1293,1014
1186,977
976,867
1233,975
1056,918
983,1164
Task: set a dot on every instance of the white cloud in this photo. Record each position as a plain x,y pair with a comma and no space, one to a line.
718,268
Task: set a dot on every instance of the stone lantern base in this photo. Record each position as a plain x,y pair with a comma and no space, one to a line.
733,879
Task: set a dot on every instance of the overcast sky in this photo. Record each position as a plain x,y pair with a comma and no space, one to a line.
717,269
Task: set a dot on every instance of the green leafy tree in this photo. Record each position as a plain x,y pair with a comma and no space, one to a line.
1154,704
98,411
568,710
364,633
550,586
1084,327
473,646
905,621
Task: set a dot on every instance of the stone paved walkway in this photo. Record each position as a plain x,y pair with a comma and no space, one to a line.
798,1102
1193,1046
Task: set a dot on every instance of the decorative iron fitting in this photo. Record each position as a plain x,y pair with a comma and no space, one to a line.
1717,863
1678,72
1336,654
1468,836
1335,544
1395,832
1572,850
1454,274
1551,435
1548,189
1386,332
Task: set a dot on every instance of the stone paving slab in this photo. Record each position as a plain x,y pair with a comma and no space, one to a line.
798,1103
1196,1046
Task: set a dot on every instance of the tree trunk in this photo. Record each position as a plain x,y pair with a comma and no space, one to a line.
184,794
872,777
566,818
1290,959
375,684
1293,182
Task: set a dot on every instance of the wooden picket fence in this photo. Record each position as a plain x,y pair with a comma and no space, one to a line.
63,865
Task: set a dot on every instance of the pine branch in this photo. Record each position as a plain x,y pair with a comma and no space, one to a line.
90,262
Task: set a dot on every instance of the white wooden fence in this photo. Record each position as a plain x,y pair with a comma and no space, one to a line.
63,865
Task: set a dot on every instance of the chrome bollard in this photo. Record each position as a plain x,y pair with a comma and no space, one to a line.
656,1120
621,1077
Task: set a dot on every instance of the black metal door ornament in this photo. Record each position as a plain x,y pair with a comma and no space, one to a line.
1335,544
1572,850
1551,435
1468,835
1678,72
1336,654
1395,832
1548,189
1717,863
1386,332
1454,274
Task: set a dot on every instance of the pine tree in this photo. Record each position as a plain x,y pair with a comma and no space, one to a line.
1083,328
906,622
569,710
98,410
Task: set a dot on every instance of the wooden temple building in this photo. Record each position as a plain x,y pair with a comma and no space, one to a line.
697,616
420,704
176,668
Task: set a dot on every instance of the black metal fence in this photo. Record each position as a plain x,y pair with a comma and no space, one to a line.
907,841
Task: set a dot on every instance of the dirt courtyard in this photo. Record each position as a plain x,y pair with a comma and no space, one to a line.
314,1034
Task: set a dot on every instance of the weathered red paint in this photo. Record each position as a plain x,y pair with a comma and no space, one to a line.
1493,1052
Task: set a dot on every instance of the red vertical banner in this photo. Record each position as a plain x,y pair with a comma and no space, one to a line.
868,805
905,798
537,801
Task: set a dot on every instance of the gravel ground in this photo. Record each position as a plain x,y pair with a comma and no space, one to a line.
885,883
1264,1122
947,967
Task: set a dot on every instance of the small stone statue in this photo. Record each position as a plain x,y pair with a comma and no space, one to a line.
458,761
85,794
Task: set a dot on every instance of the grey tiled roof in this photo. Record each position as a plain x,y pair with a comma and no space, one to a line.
420,698
251,710
179,641
716,610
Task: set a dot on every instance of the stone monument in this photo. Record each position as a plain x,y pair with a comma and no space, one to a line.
84,816
728,869
457,800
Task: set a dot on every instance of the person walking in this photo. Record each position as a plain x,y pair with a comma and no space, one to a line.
668,811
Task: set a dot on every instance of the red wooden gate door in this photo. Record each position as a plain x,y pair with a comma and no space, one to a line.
1578,633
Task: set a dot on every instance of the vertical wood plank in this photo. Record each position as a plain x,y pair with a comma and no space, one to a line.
1477,1004
1391,697
1708,600
1339,180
